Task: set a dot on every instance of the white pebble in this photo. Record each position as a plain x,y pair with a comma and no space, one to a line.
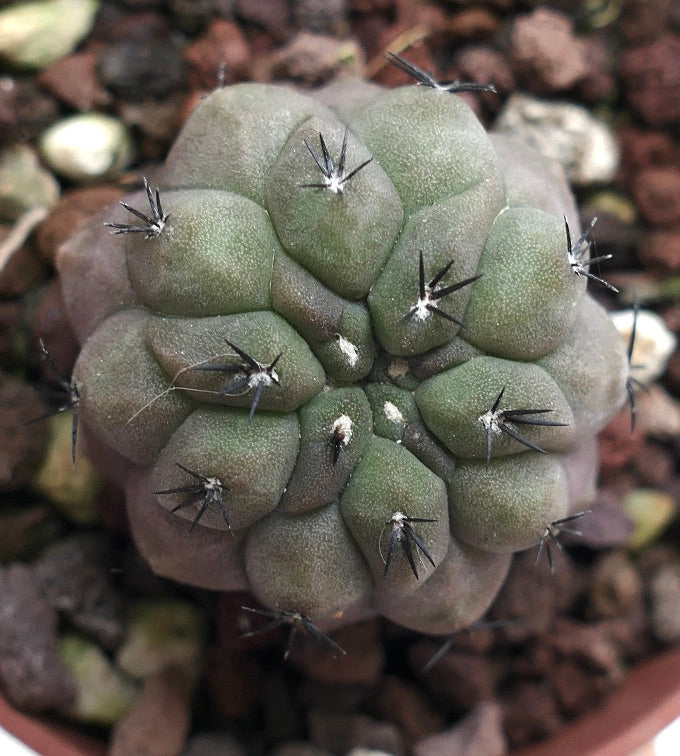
87,147
654,343
567,133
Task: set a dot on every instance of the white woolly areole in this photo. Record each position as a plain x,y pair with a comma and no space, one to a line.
653,346
348,349
393,413
490,420
343,426
263,378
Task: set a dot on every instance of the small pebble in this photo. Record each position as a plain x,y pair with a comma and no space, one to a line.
35,34
654,343
87,147
24,183
104,693
564,132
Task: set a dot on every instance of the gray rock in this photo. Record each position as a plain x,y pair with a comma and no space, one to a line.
567,133
31,673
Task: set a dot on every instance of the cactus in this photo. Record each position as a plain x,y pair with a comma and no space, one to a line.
344,358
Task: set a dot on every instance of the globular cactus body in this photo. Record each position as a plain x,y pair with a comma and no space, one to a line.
341,359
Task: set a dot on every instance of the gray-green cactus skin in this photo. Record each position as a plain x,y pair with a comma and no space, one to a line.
381,407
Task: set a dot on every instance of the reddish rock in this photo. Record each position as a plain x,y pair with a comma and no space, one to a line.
652,79
480,732
546,54
660,250
656,192
158,722
75,208
74,80
220,50
405,706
